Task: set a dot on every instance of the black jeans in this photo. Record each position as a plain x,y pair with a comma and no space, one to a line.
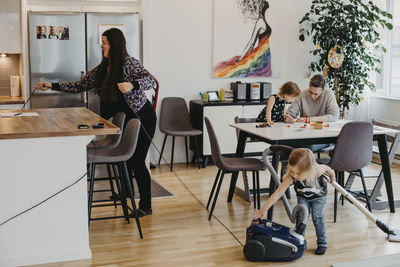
136,163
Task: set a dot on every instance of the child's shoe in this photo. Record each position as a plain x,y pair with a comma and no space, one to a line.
320,251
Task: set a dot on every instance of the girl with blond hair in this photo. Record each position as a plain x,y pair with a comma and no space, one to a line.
311,188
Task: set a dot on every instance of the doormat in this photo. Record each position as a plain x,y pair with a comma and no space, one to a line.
392,260
157,190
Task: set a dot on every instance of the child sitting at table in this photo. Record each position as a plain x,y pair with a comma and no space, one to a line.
311,189
275,108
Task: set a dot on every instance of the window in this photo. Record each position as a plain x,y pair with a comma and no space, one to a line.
388,81
394,50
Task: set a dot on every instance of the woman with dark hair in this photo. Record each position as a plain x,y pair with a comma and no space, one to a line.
120,82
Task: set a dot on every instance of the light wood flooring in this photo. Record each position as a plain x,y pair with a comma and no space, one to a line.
179,234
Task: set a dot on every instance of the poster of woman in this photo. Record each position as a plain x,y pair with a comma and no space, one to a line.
250,52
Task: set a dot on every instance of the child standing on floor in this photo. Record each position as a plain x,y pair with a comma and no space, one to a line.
275,108
311,188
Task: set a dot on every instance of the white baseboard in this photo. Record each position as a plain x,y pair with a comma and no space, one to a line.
67,256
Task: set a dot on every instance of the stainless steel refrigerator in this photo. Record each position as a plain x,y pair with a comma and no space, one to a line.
64,46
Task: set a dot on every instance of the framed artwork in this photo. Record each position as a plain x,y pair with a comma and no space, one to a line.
242,34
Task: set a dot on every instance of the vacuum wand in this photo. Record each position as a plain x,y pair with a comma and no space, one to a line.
393,234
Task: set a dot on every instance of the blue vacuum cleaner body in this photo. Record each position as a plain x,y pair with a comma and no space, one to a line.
269,241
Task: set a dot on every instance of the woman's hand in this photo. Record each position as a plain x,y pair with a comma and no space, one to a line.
125,87
43,86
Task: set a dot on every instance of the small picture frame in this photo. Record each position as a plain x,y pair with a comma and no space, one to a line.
213,96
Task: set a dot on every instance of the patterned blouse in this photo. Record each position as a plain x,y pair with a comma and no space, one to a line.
276,112
132,71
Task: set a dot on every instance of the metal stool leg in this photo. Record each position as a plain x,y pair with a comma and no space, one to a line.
90,198
110,179
130,191
172,152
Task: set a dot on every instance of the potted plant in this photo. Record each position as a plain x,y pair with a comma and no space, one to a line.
346,44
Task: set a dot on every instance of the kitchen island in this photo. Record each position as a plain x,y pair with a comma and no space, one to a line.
42,153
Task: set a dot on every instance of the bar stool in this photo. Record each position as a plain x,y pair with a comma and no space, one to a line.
117,156
110,141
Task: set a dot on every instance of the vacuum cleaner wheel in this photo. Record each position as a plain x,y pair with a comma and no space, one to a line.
254,250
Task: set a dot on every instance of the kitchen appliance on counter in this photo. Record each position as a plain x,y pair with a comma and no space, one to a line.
255,92
64,46
239,91
266,90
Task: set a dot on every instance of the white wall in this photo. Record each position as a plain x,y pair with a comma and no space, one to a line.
177,49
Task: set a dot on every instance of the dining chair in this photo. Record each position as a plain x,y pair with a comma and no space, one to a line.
369,172
352,153
175,121
230,165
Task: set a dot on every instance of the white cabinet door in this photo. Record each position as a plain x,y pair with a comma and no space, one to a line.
10,27
221,117
252,111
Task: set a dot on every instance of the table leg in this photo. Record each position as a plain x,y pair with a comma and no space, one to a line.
379,182
272,184
239,153
383,152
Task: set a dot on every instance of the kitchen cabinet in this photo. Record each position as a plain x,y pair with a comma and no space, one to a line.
221,114
10,26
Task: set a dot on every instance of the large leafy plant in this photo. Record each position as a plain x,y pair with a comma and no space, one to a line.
353,25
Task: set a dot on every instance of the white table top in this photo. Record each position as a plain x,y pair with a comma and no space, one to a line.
292,131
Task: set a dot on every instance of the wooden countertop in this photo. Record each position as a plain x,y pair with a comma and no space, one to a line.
53,122
12,100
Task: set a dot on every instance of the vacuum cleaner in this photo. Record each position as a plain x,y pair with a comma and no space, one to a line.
393,234
269,241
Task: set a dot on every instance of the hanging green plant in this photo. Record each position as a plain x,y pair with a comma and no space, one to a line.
349,27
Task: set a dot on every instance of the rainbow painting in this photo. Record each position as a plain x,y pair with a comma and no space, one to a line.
256,63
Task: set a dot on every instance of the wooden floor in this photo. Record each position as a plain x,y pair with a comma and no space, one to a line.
179,234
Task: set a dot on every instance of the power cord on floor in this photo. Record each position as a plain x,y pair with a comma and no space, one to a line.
55,194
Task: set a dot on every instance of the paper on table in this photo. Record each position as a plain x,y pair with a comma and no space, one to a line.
19,114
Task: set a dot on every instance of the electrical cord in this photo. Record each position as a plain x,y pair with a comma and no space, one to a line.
55,194
186,187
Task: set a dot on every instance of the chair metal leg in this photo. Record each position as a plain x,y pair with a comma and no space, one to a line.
258,190
186,147
195,138
90,198
335,200
213,188
254,190
122,191
365,190
172,152
110,179
130,191
162,149
216,195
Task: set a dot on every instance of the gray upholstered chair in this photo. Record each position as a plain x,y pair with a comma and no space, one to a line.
117,156
353,151
175,121
110,141
229,165
368,172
